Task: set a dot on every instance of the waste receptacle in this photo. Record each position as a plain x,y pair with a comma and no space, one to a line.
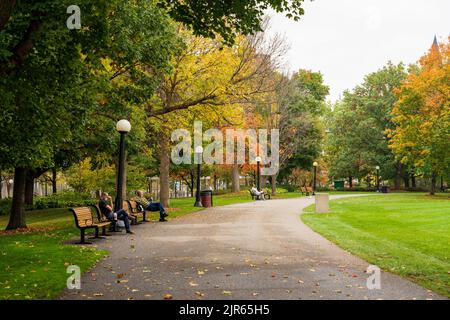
206,196
339,185
385,189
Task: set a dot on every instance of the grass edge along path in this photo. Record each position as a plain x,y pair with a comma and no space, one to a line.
406,234
33,263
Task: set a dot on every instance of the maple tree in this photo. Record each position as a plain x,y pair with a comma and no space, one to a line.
211,82
422,115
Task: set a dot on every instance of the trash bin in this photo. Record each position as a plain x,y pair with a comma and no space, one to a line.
385,189
206,197
339,185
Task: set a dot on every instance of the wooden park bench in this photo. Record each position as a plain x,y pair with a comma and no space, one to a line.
132,215
137,210
84,220
101,218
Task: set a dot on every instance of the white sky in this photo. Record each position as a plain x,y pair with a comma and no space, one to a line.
347,39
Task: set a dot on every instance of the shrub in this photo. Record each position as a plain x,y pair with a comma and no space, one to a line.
64,199
5,206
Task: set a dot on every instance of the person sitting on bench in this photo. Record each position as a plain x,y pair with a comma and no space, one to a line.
259,194
150,205
108,212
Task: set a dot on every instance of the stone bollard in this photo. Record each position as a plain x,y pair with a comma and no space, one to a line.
322,205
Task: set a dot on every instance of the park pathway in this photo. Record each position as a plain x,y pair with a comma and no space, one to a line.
256,250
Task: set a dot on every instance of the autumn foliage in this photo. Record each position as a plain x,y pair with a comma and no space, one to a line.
421,137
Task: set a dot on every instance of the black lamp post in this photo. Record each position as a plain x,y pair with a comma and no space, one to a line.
123,126
198,154
258,173
378,178
315,164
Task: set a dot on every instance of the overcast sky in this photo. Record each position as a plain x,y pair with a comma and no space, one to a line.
347,39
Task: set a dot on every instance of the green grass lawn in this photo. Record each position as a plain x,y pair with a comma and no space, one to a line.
407,234
33,265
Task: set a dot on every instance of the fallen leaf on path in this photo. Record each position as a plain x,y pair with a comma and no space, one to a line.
193,284
168,297
99,294
225,292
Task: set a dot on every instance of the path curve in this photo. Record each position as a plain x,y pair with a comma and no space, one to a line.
256,250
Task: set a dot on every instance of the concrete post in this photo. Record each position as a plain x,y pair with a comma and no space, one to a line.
322,205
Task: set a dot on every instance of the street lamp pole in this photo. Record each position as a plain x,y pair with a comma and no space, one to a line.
378,178
198,154
123,127
258,172
315,164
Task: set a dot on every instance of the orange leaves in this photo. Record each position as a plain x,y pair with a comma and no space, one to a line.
422,112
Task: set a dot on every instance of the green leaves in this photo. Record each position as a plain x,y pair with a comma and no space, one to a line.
209,18
357,141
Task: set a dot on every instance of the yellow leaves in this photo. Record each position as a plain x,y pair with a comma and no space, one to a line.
421,112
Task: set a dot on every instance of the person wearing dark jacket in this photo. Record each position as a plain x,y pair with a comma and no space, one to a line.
107,211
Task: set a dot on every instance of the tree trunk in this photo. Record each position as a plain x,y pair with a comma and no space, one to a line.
1,186
54,187
433,184
29,187
350,182
369,182
215,182
406,182
274,184
235,187
8,189
413,181
164,167
191,186
398,176
17,215
263,181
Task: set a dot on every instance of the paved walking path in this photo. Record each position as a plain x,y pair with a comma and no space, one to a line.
257,250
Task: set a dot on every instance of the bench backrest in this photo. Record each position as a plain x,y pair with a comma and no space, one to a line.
134,206
126,206
100,216
83,216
